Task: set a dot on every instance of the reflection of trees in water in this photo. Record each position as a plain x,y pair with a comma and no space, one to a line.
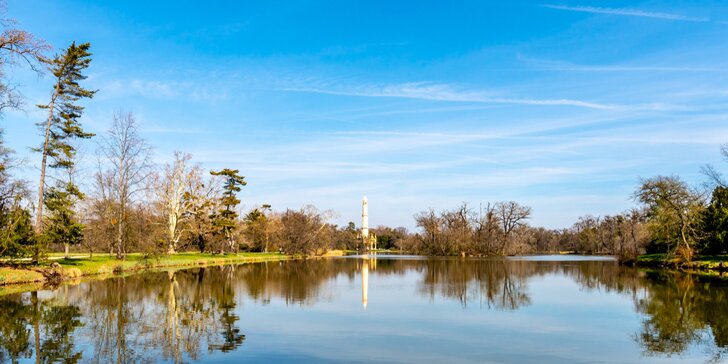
14,329
169,315
496,283
503,284
177,316
300,281
684,310
29,325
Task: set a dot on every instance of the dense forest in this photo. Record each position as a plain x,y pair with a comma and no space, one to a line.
135,205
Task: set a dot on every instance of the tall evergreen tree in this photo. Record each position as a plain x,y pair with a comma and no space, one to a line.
62,225
16,231
16,226
715,222
62,125
225,219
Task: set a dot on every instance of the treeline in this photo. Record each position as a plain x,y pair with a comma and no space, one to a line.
134,206
672,218
501,228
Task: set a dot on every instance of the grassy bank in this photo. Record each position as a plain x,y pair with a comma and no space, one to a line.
102,264
710,263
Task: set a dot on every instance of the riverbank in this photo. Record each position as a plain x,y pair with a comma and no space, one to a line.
105,264
706,263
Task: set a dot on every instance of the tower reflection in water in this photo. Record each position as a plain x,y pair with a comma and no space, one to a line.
367,262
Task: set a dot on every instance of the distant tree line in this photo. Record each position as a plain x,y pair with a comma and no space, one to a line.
672,218
501,228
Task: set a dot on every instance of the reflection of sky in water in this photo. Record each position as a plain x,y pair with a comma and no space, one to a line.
419,311
566,323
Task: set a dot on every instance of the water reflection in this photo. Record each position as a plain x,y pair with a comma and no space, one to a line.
682,311
190,315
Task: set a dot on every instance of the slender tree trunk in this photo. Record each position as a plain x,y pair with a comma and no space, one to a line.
688,250
122,217
172,227
265,250
41,184
65,246
119,239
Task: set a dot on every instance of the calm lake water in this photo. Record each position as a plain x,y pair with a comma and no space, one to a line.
385,309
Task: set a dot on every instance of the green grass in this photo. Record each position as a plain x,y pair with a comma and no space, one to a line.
12,275
660,257
713,258
717,263
81,265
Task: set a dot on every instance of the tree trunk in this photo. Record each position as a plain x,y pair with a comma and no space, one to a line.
119,240
688,250
41,184
171,229
65,246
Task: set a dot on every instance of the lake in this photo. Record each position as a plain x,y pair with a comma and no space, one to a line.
552,309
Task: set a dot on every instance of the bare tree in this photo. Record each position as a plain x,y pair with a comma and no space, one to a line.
511,216
128,157
431,240
201,204
715,178
303,231
458,229
17,46
487,230
173,194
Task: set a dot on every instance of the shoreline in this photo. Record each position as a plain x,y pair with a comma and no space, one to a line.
715,265
61,270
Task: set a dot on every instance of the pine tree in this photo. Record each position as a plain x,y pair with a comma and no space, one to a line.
62,125
16,232
225,219
62,226
16,223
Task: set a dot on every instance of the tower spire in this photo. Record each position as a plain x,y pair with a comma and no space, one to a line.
365,222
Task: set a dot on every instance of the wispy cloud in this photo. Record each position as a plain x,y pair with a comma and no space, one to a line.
442,92
162,90
553,65
626,12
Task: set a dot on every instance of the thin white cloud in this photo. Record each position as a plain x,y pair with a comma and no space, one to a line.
552,65
440,92
162,90
173,130
626,12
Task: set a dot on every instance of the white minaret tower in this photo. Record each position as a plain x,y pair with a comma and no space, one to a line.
365,222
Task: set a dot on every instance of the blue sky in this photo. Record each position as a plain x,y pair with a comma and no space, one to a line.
561,106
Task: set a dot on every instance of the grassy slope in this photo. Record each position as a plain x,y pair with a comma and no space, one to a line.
78,266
